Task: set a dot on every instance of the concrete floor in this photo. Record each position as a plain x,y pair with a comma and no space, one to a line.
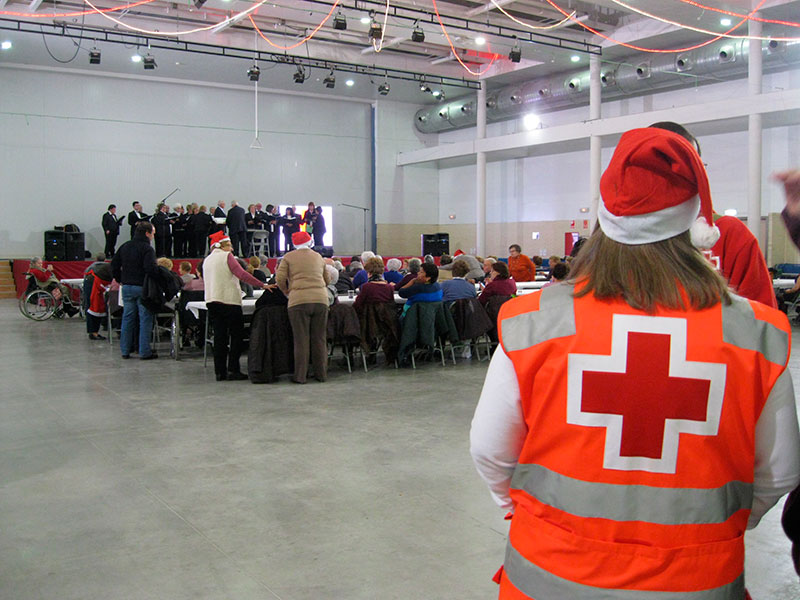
149,480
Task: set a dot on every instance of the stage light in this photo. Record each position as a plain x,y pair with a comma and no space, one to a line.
383,88
349,83
423,87
366,20
300,75
137,58
575,58
6,45
254,73
199,3
417,35
149,62
330,81
515,54
725,22
339,22
94,56
436,93
480,40
375,30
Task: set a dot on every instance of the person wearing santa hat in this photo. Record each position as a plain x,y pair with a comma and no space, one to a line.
303,278
223,295
638,418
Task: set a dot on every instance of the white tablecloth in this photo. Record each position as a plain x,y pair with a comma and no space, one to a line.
248,306
531,285
782,284
76,283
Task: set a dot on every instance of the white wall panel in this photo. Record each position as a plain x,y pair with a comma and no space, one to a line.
71,144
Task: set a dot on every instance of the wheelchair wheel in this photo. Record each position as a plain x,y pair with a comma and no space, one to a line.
38,305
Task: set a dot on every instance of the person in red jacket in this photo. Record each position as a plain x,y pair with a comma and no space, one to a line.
736,254
520,266
638,418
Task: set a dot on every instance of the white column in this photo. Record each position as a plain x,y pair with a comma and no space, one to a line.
754,61
595,143
480,178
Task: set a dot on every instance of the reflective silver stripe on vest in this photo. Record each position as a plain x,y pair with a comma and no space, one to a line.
665,506
535,582
743,330
555,318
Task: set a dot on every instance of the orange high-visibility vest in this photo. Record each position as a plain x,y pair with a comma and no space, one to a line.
635,481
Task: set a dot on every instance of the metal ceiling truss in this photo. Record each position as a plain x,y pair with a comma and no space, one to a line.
113,36
421,15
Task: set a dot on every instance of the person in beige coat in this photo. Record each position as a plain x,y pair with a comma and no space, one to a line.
302,277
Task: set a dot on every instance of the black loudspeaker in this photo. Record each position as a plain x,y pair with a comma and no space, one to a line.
325,251
54,245
63,245
435,244
75,246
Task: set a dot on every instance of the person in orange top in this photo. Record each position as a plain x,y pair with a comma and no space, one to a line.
520,266
638,418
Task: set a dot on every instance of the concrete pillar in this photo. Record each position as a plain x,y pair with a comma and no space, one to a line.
480,178
595,143
754,145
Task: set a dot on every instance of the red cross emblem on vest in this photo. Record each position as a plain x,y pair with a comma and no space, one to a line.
645,393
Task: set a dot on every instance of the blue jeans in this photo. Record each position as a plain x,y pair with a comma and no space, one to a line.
132,306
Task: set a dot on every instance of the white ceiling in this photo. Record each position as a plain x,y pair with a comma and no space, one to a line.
286,22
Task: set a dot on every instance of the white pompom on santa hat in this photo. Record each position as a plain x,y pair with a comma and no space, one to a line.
654,188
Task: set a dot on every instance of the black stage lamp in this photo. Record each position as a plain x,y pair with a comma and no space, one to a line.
339,22
515,54
417,35
199,3
375,30
299,75
330,81
383,88
94,56
254,73
149,63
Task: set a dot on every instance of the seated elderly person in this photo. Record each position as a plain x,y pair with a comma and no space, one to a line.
475,272
360,277
392,274
376,289
47,280
414,265
500,284
333,273
424,288
559,274
458,288
445,274
487,265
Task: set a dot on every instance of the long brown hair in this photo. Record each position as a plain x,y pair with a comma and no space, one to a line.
666,273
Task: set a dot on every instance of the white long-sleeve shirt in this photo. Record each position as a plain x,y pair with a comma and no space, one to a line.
499,431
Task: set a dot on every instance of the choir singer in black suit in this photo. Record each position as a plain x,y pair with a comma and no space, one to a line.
111,229
135,216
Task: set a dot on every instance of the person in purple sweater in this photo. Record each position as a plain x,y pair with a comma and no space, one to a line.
376,290
500,283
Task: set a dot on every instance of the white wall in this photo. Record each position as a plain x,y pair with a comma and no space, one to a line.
554,187
71,143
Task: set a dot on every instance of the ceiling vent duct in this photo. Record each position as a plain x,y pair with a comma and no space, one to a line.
552,93
683,63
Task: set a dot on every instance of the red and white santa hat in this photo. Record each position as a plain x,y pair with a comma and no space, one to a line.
301,239
216,239
654,188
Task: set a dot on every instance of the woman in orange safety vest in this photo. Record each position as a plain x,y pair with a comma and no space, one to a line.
638,418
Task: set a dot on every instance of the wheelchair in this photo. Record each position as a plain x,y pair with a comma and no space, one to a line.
41,303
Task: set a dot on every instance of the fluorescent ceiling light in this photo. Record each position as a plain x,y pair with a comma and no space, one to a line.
480,40
366,20
574,58
6,45
731,212
349,83
137,58
725,22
